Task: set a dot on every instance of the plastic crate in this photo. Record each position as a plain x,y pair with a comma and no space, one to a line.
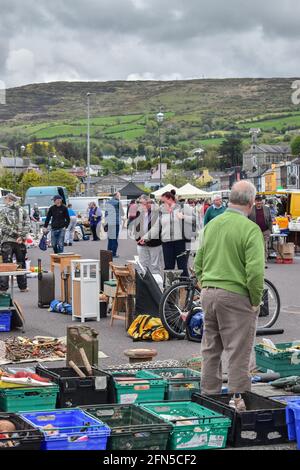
263,423
70,430
286,399
132,428
5,300
293,421
74,390
138,386
285,363
194,427
5,321
181,382
25,437
28,399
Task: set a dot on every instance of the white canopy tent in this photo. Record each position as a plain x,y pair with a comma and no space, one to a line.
163,190
189,191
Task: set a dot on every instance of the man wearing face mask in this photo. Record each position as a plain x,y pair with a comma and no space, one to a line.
14,228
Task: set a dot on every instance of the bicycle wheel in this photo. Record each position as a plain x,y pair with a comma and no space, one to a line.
175,305
270,309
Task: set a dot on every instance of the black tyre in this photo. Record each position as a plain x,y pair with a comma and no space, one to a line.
175,305
269,311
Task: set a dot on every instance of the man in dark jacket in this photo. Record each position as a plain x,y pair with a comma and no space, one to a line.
150,251
60,220
113,218
261,215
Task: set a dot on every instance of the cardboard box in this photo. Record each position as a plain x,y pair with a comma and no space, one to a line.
286,250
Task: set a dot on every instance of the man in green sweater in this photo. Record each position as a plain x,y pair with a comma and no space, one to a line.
215,209
230,269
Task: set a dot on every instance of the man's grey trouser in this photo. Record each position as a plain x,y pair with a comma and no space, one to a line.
229,326
151,257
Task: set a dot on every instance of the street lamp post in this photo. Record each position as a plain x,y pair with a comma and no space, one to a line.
159,119
49,167
22,148
88,144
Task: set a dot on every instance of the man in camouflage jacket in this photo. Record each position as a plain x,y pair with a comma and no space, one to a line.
14,228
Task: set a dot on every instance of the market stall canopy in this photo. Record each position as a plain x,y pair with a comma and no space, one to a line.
131,191
190,191
163,190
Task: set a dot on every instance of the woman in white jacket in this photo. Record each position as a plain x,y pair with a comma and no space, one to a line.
175,226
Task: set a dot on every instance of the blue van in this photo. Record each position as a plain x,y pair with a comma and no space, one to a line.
43,195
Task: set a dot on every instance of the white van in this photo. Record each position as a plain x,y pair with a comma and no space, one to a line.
80,204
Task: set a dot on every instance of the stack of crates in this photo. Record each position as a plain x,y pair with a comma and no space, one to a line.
262,423
75,390
132,428
286,363
5,313
138,386
181,382
30,398
24,437
194,427
69,430
293,421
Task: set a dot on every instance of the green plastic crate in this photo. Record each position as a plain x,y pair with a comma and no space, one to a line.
284,363
5,300
132,428
28,399
179,388
148,387
194,427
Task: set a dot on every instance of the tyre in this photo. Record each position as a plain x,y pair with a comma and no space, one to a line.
175,305
270,309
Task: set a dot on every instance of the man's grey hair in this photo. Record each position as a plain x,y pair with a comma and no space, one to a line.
216,196
242,193
145,198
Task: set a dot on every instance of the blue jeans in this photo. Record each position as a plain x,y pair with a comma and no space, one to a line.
57,240
113,234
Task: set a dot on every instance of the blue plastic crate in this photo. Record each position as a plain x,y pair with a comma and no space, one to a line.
286,399
293,421
72,430
5,321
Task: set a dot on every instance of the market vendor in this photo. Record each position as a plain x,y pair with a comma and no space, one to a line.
261,215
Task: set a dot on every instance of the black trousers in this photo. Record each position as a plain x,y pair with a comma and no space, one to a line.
171,251
94,232
8,249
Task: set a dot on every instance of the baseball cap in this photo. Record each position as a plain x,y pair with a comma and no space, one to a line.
258,197
55,198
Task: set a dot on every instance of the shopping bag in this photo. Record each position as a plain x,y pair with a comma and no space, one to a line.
43,245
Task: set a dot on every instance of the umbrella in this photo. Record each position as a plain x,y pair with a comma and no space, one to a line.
163,190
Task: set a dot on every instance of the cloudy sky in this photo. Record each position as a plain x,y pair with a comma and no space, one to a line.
49,40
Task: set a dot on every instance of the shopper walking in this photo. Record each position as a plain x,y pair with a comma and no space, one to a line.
95,216
59,216
69,237
150,251
132,212
35,217
261,215
215,209
113,215
14,228
230,268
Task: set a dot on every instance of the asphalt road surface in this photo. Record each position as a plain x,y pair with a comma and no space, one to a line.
114,340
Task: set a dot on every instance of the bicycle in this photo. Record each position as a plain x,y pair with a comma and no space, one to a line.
178,300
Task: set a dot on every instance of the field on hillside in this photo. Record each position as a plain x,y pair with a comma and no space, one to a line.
195,110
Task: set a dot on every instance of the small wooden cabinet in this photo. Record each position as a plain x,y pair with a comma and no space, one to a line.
85,279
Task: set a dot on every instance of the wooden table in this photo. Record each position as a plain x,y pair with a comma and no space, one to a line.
63,262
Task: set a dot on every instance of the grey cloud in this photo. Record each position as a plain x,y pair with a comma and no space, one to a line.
160,39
